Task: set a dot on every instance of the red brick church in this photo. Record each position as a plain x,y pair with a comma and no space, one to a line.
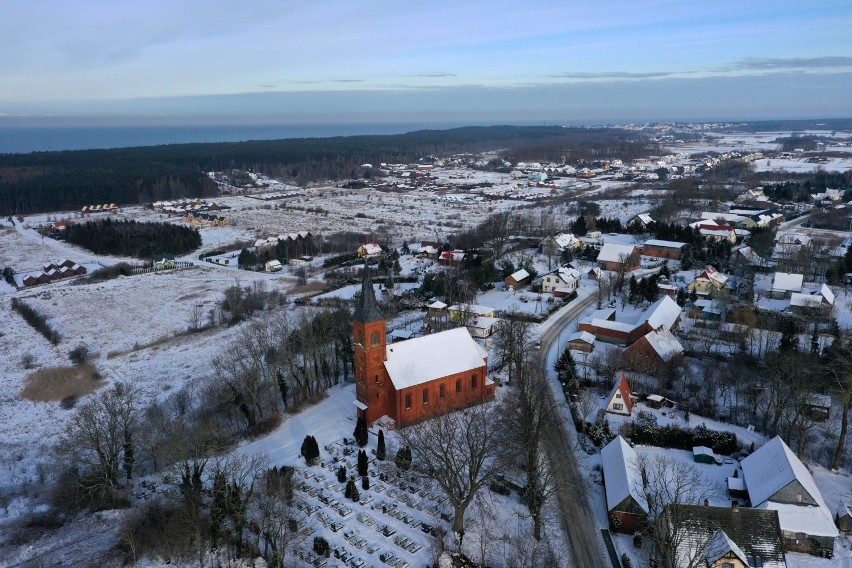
411,380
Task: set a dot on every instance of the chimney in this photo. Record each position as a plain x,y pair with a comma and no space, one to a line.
735,506
707,502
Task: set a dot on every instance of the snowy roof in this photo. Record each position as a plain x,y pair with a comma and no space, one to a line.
622,478
720,545
645,218
656,398
472,309
609,324
805,300
582,336
703,451
664,311
483,322
664,343
826,293
564,240
771,468
817,399
437,305
612,252
736,484
730,218
521,274
714,275
372,248
787,281
664,244
567,274
423,359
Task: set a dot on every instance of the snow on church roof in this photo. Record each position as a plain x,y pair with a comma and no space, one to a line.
416,361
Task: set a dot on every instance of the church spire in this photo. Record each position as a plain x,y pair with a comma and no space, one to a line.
367,308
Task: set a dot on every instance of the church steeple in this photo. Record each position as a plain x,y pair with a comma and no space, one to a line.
367,308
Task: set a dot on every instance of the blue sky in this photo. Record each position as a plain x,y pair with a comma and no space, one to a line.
217,60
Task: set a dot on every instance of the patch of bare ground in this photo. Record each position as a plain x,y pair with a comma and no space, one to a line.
61,383
309,288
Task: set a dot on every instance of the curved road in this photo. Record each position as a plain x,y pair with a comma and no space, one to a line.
578,523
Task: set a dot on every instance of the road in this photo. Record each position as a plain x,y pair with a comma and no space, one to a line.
578,524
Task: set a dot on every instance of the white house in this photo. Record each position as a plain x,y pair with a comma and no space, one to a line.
563,278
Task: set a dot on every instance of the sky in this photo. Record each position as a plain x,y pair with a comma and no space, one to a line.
220,61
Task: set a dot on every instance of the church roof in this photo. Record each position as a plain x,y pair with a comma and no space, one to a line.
366,307
422,359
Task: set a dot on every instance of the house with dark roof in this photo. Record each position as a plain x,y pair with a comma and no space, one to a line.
777,480
722,537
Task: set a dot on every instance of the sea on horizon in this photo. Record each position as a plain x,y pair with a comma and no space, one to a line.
26,139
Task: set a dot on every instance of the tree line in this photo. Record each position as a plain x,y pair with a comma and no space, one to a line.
131,238
49,181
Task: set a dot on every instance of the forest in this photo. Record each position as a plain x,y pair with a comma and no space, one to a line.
132,238
50,181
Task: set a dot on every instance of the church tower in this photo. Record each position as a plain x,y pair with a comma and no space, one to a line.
369,331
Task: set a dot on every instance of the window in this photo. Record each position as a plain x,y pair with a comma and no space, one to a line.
360,337
375,338
473,381
377,379
408,401
618,395
425,396
458,385
617,406
442,391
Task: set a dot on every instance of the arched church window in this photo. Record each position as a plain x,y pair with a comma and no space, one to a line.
375,338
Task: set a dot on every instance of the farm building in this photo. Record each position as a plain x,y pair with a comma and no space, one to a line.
582,341
617,257
663,249
518,279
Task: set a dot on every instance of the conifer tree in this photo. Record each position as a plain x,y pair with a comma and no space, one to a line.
362,463
380,449
341,474
365,483
360,432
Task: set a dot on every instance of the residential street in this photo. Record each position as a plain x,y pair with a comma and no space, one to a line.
578,523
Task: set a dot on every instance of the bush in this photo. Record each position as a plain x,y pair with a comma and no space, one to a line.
360,433
365,483
321,546
341,474
625,561
79,355
647,431
36,320
310,449
403,458
380,449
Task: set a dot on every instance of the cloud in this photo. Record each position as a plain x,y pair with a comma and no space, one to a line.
613,75
266,86
432,75
318,82
779,64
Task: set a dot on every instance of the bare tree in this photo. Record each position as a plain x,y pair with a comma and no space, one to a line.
668,481
837,367
513,341
101,439
529,415
460,451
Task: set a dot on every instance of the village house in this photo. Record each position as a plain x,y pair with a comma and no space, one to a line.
274,266
818,406
581,341
723,537
708,282
663,249
626,504
412,380
460,313
718,232
561,282
617,257
657,353
559,243
518,279
620,399
820,301
785,284
642,220
370,249
601,323
777,480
